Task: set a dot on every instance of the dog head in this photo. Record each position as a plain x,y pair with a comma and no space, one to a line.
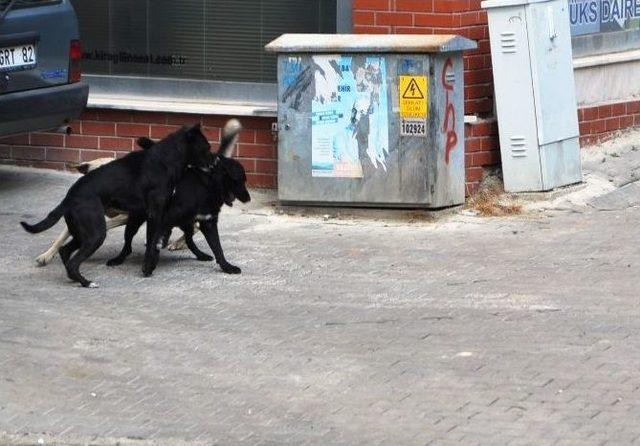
234,180
197,146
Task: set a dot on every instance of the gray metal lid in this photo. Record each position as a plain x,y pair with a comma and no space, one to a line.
370,43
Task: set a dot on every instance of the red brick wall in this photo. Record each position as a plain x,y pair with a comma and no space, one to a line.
110,133
482,149
604,121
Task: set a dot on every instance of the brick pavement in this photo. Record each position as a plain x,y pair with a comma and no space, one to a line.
517,331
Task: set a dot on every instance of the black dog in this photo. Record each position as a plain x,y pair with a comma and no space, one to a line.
141,182
199,196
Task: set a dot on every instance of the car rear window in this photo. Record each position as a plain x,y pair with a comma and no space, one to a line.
26,3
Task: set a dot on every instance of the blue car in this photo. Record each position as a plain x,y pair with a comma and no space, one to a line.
40,80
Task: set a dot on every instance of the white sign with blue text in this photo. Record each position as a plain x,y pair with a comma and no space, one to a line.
597,16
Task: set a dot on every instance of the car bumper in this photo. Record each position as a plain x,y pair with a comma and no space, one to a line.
41,109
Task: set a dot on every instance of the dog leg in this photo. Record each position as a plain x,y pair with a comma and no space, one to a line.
67,250
131,230
165,238
44,258
152,253
118,220
73,265
181,243
87,248
89,230
178,245
210,231
155,219
188,236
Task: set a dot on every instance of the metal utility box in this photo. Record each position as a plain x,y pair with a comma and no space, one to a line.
371,120
535,93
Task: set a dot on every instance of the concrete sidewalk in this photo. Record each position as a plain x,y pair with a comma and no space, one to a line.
465,330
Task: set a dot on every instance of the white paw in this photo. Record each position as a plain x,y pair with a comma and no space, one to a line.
42,260
93,285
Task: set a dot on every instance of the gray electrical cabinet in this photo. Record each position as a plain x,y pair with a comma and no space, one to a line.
535,93
371,120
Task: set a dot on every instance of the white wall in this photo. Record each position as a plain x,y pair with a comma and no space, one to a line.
607,78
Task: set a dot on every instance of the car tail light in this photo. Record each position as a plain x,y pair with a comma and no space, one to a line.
75,55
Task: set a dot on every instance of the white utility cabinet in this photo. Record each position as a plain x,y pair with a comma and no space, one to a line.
534,93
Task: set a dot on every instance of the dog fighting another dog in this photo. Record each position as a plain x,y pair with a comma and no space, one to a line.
175,182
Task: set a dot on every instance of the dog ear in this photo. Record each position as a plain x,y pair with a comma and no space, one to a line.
83,168
145,143
192,132
228,199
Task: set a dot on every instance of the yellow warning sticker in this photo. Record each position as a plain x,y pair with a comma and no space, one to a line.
414,95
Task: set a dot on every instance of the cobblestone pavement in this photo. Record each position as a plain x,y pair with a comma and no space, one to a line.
463,331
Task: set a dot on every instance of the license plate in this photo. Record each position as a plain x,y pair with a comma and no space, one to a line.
18,57
414,127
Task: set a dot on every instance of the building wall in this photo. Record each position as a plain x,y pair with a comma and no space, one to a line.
107,132
620,81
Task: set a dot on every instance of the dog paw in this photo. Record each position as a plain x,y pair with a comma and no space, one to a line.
92,285
147,271
114,262
42,261
230,269
204,258
177,246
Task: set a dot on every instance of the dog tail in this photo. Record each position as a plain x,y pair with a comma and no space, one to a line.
145,143
48,222
230,135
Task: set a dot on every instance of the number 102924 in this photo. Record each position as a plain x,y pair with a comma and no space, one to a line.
413,127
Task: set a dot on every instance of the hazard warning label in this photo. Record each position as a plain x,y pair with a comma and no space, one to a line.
414,96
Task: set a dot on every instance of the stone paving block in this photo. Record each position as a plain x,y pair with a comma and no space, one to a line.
521,330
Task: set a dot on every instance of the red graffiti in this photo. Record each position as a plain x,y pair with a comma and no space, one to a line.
449,126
